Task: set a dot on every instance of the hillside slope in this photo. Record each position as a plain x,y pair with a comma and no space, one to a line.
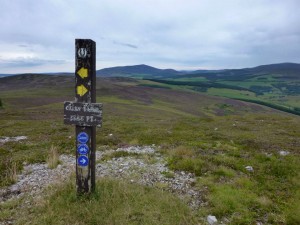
242,158
127,89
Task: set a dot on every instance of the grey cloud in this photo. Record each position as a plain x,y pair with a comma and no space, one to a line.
28,62
23,46
125,44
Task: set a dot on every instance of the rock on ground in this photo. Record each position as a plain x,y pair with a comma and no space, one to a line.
8,139
211,219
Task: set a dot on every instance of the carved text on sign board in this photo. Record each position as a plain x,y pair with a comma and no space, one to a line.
83,114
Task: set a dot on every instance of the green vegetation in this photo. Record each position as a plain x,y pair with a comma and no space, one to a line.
294,110
203,84
114,202
276,91
213,137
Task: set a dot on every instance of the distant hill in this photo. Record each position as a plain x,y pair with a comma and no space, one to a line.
284,70
137,71
23,81
6,75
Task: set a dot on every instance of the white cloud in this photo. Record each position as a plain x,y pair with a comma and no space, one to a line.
170,33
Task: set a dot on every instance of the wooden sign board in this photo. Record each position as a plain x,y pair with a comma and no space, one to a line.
83,114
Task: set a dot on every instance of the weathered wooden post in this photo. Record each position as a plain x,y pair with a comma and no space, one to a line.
85,114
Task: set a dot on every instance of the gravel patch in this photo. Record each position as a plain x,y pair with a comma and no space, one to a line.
147,168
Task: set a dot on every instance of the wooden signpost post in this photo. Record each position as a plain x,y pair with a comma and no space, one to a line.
85,114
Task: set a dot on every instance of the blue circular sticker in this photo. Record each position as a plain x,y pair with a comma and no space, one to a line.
82,137
82,149
83,160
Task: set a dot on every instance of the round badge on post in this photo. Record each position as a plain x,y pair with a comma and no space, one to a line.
83,149
83,161
82,138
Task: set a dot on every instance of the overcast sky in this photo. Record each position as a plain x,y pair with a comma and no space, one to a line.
39,35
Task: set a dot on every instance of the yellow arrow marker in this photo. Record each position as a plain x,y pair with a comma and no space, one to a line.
83,72
81,90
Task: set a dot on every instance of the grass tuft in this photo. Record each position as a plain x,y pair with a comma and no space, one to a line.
53,157
239,204
182,158
9,168
11,172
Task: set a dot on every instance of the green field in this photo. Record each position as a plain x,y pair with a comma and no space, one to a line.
213,137
271,90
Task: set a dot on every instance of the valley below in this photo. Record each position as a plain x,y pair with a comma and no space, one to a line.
171,150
